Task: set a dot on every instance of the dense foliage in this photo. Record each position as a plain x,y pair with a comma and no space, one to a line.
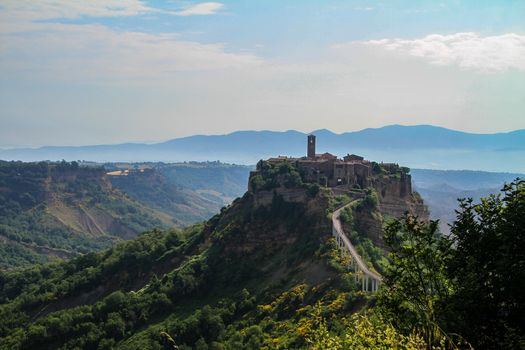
50,210
416,279
115,299
470,283
58,210
488,269
269,276
271,176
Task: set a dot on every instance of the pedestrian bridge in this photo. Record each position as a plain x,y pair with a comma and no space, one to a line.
369,280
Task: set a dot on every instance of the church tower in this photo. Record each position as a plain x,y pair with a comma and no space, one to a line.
311,146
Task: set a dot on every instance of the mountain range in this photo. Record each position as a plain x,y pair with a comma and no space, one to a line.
420,146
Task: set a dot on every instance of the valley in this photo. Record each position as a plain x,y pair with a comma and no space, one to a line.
49,213
61,210
263,271
262,175
245,278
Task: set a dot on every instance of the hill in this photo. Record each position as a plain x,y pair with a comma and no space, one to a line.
216,181
172,194
261,273
441,189
421,146
59,210
187,192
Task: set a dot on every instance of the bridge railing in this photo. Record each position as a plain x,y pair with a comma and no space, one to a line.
369,280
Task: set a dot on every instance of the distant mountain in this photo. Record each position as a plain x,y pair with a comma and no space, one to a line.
441,189
460,180
421,146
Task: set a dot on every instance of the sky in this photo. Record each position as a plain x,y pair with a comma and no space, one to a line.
77,72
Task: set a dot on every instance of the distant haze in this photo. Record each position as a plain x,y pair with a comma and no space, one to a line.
421,146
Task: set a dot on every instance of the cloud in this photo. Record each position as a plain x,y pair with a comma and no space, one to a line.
32,45
71,9
203,8
90,51
467,50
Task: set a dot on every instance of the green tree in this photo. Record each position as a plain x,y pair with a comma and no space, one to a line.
488,269
415,281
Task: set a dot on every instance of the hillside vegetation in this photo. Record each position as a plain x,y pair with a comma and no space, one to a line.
189,192
59,210
264,273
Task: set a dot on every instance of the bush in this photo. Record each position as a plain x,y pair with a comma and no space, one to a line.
370,201
347,215
313,190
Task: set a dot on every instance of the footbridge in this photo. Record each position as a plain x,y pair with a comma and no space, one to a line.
369,280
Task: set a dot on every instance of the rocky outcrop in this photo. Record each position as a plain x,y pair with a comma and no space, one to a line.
272,191
274,219
396,197
369,223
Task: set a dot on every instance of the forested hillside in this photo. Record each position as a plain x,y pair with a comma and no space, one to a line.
58,210
265,273
153,189
190,192
254,275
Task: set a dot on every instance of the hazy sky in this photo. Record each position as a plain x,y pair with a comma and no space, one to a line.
78,72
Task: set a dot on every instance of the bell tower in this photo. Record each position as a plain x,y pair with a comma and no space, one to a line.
311,147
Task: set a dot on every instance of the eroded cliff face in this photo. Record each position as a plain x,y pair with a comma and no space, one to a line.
284,210
396,197
368,223
275,219
273,234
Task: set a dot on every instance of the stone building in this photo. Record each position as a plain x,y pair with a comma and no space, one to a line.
392,183
329,170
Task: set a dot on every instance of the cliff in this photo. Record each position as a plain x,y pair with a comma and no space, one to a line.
388,195
50,210
396,196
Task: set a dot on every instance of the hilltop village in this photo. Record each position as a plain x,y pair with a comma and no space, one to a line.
330,171
352,175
